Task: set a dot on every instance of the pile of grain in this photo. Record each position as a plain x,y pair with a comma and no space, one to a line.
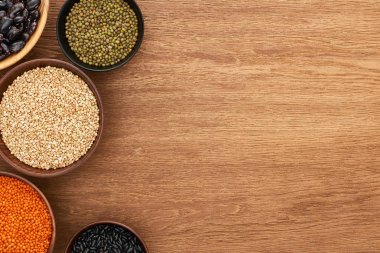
49,118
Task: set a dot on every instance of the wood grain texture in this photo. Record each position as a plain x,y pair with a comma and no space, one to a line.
240,126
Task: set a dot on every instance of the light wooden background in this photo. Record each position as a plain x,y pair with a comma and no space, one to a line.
240,126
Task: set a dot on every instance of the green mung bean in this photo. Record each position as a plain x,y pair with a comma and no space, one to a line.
101,33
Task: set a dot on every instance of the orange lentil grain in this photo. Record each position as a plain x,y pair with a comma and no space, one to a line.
25,222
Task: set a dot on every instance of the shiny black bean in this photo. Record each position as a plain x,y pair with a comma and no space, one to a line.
5,48
32,4
2,14
32,28
27,23
14,33
3,5
25,37
1,38
25,13
16,9
5,24
16,47
19,19
34,15
10,3
20,26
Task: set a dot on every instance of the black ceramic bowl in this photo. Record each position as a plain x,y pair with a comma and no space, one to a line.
61,36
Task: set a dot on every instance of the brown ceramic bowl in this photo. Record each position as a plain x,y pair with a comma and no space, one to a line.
14,58
52,242
71,243
5,152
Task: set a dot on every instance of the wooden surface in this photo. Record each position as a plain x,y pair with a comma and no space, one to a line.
240,126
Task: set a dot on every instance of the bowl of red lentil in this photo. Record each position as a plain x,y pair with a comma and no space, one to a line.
27,221
51,118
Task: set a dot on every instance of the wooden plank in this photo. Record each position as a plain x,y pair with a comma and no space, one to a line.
240,126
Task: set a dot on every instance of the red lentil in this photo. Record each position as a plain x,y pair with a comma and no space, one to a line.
25,222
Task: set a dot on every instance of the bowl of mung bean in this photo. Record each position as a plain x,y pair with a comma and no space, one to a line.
21,25
27,221
100,35
107,236
51,118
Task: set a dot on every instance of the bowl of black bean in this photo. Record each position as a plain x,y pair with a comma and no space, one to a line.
21,25
107,236
100,35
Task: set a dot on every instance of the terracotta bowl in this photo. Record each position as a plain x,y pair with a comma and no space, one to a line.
71,243
14,58
50,250
5,152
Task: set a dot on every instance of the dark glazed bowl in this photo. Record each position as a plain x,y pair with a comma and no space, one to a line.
71,243
61,36
52,242
8,80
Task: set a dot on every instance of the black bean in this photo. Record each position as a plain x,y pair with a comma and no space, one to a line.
34,15
5,24
9,4
32,28
14,33
32,4
25,13
27,23
18,19
5,48
20,26
16,9
3,5
2,14
16,47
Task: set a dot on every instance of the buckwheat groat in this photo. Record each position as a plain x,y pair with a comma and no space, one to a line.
49,118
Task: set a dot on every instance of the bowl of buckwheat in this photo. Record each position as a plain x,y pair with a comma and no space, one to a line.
51,118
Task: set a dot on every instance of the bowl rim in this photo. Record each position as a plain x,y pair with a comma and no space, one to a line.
118,65
76,71
31,43
86,227
42,195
